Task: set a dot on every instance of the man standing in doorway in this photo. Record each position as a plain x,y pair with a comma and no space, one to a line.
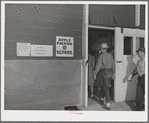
140,69
106,64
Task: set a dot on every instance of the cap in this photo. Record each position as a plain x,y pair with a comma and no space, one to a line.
104,45
141,49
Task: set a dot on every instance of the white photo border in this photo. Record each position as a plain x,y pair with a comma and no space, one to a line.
41,115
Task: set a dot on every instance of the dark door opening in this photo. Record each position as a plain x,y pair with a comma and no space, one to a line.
95,38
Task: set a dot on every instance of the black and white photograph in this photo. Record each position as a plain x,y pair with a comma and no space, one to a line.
74,61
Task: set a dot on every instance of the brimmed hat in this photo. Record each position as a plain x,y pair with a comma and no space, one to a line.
104,46
141,49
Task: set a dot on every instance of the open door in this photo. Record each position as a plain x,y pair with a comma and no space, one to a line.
84,81
127,41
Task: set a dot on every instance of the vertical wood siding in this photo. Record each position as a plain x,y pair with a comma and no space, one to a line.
142,16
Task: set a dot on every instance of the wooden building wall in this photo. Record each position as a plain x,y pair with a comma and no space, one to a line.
112,15
40,24
42,82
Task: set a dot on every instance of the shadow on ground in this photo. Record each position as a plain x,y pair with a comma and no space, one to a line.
96,100
132,105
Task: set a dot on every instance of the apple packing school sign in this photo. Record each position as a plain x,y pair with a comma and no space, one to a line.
64,46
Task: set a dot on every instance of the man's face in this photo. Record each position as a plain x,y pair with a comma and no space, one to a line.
141,54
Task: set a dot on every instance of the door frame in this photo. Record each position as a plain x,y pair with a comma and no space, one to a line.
84,65
84,68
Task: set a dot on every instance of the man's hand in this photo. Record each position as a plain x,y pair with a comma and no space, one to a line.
130,78
95,77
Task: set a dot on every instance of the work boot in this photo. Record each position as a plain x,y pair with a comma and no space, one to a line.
107,106
103,100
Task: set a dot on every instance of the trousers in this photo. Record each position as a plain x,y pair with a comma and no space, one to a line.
140,92
99,82
107,77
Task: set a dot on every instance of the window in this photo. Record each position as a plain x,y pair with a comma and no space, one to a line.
128,46
139,42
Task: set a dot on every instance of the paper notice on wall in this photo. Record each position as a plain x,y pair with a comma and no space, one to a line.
64,46
42,50
23,49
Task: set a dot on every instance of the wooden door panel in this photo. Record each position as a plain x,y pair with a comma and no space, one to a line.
124,90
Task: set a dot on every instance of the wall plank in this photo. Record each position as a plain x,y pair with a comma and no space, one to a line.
32,38
142,16
11,20
42,31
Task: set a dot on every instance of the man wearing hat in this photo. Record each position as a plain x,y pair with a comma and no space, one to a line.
140,70
106,64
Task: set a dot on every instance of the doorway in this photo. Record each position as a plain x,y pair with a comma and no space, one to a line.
124,42
95,38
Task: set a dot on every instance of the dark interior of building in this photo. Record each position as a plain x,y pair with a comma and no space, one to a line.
95,38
